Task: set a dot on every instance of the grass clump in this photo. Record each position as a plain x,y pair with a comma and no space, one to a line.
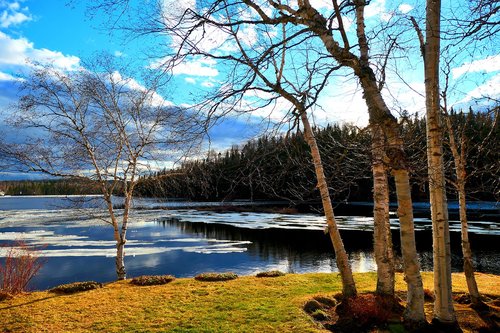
216,276
270,274
152,280
75,287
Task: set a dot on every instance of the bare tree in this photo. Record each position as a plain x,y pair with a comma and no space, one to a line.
458,145
430,44
326,33
98,125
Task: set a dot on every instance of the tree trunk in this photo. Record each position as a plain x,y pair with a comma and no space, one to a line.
120,261
461,175
379,114
466,249
414,314
443,304
348,284
120,243
382,241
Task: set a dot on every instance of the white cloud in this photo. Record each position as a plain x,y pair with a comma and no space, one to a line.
405,8
118,54
7,77
208,84
489,64
197,67
190,80
248,35
491,88
6,20
155,99
320,4
14,6
12,14
17,51
376,7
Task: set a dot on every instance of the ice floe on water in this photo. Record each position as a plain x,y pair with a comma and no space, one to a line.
85,233
308,221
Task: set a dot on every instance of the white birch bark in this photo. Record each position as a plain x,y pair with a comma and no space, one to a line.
443,304
348,284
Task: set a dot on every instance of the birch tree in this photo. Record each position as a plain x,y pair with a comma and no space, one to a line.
194,28
100,126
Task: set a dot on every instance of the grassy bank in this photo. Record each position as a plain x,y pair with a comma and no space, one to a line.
247,304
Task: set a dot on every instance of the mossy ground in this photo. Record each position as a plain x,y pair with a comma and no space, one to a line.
247,304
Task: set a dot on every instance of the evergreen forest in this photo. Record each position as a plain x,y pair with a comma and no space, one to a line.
280,168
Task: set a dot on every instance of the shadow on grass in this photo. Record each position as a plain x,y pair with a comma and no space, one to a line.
27,303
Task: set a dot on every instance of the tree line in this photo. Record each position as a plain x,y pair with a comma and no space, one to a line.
280,168
48,187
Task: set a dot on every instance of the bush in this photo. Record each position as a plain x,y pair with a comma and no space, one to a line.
215,276
270,274
22,263
368,310
75,287
152,280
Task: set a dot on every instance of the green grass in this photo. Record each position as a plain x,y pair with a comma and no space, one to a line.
247,304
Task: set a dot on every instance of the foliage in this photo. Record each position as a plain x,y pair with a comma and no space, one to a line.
22,263
270,274
216,276
76,287
48,187
152,280
279,167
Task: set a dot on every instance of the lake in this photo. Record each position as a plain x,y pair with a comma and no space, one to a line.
77,245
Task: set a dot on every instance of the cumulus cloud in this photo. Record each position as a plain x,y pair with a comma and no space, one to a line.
17,51
489,64
12,14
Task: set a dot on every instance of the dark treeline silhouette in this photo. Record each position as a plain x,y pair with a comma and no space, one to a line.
48,187
279,167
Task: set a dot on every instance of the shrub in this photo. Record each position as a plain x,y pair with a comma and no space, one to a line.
216,276
75,287
369,310
152,280
22,263
270,274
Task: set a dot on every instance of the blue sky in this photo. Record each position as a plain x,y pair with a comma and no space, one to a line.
51,31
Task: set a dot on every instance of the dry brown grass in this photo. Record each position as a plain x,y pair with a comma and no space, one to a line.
247,304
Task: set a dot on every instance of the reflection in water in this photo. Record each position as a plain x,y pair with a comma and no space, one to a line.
79,246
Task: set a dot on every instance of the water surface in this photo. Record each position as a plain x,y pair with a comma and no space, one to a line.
77,243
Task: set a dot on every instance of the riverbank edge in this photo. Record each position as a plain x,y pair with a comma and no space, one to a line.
246,304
